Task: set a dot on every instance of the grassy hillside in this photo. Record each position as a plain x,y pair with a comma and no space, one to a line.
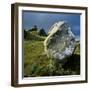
36,63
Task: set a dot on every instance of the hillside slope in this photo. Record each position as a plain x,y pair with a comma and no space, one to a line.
36,62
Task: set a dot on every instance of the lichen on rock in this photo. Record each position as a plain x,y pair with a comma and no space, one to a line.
60,43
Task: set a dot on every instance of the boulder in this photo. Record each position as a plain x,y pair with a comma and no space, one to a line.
60,42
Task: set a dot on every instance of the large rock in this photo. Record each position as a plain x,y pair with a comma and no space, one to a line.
60,43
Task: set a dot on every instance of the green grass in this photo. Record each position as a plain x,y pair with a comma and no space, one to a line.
36,62
34,58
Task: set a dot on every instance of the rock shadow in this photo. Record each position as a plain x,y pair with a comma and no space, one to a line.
73,64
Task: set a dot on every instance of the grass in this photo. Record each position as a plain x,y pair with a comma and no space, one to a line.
34,58
36,62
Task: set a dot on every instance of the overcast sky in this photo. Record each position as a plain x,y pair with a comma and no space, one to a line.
45,20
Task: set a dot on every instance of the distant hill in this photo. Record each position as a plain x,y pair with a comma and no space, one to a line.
33,35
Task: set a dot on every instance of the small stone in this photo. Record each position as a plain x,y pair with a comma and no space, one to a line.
60,43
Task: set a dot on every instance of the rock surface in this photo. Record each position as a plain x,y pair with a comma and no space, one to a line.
60,43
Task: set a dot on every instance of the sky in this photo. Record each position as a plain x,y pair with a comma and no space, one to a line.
45,20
